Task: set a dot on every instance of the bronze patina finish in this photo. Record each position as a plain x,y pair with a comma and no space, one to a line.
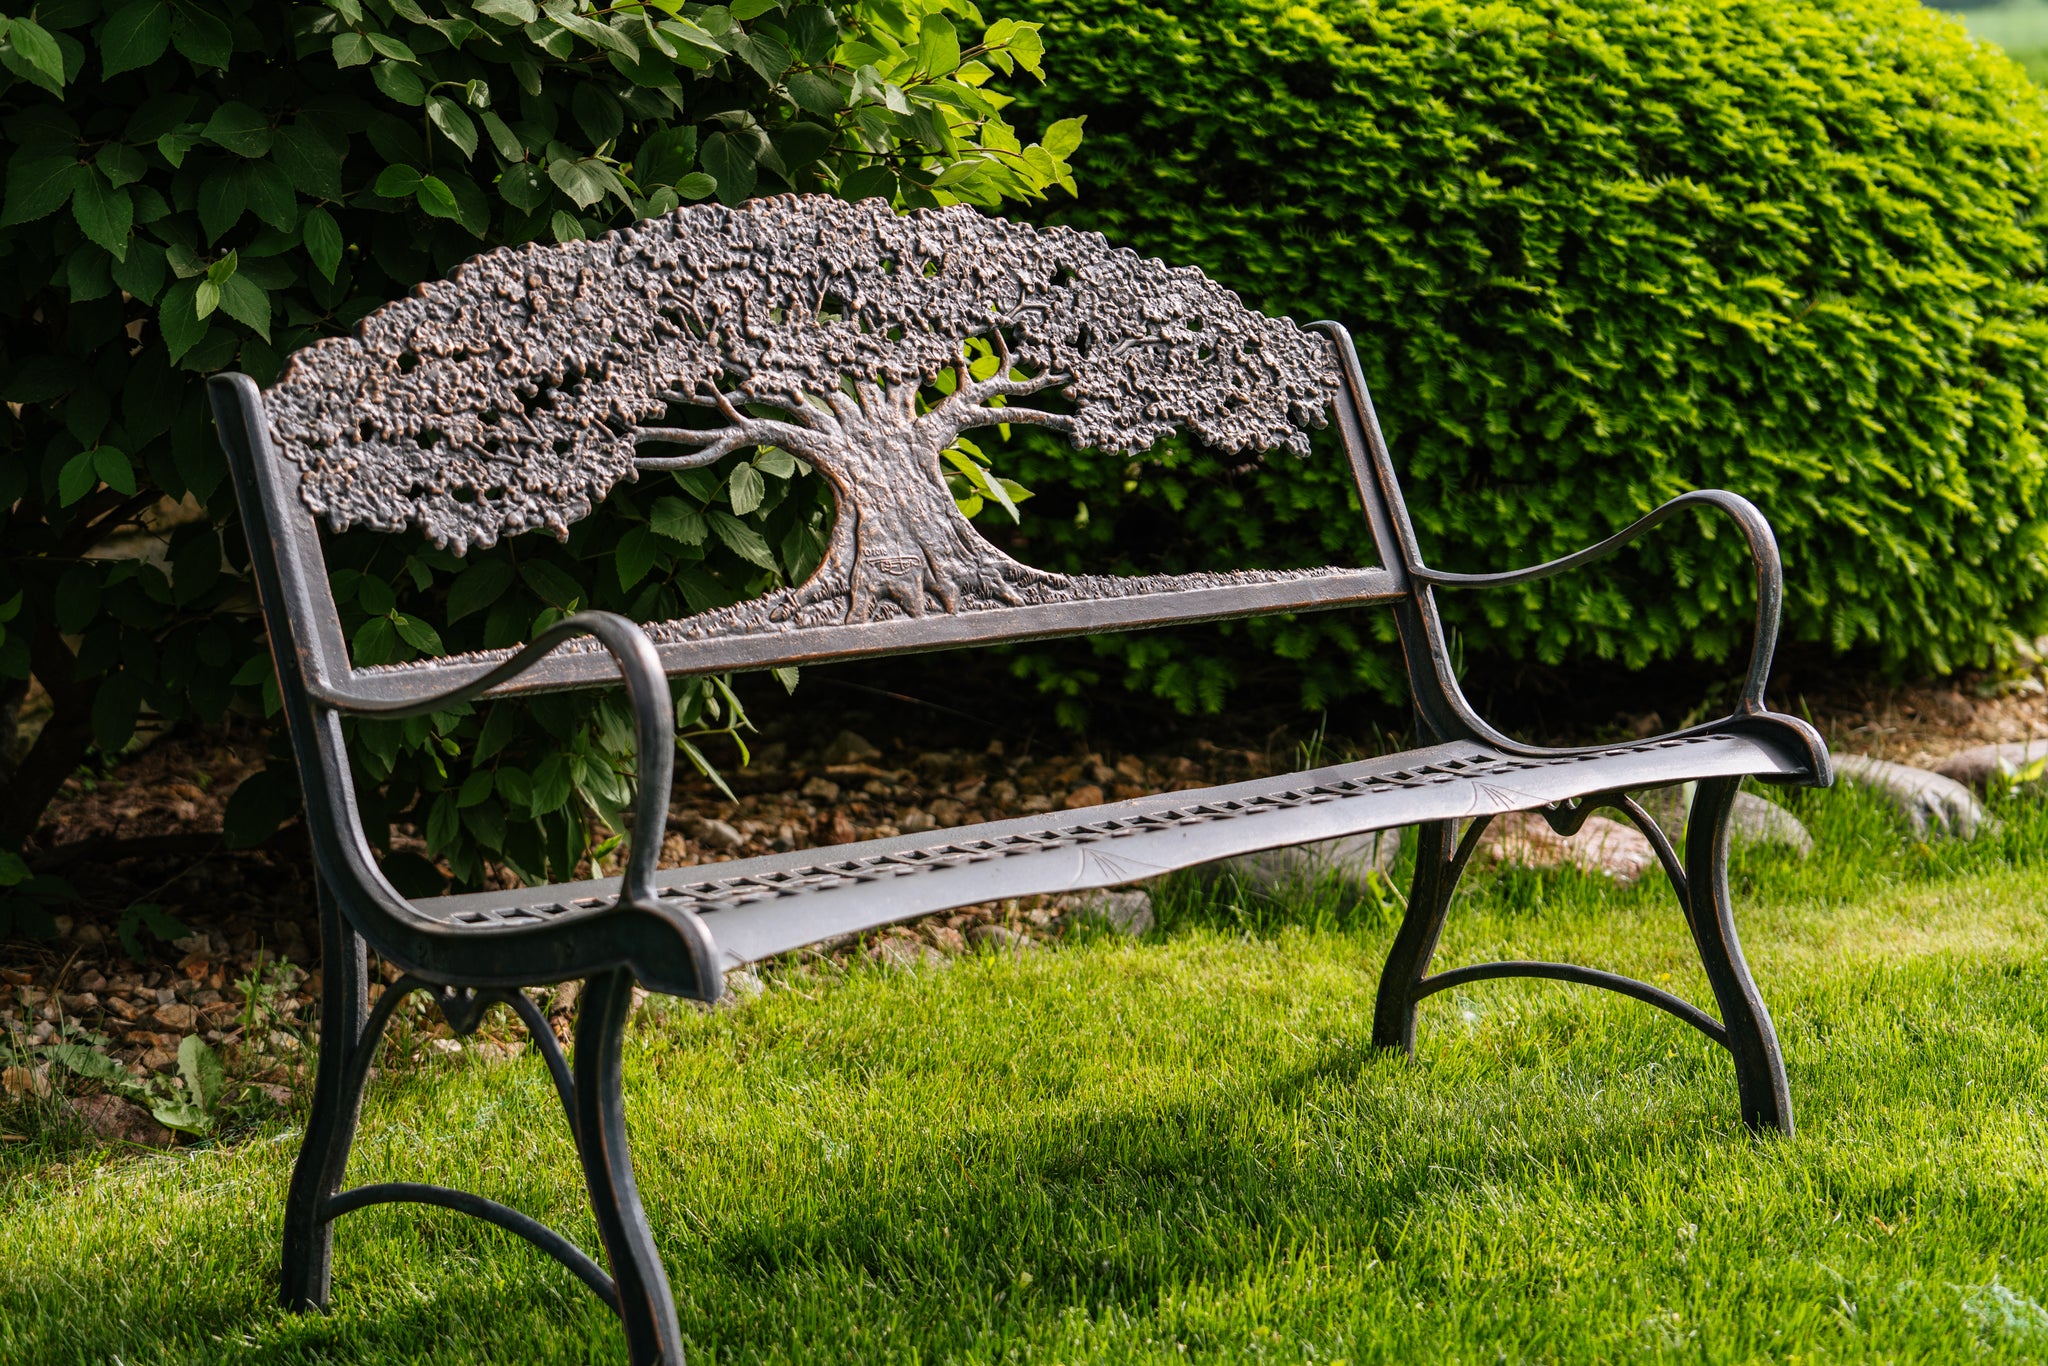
515,394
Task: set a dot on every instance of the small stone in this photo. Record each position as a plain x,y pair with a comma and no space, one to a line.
849,748
1932,804
1126,912
1087,795
92,980
717,835
90,934
743,984
179,1018
916,821
947,939
996,938
1348,862
1601,846
1035,804
904,953
1977,767
820,790
123,1121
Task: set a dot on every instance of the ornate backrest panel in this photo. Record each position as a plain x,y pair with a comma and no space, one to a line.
516,393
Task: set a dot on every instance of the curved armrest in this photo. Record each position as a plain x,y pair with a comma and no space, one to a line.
1763,552
653,724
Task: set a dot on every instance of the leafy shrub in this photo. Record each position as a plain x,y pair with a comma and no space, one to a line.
214,183
1594,254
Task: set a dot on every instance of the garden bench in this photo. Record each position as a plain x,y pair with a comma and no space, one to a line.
517,392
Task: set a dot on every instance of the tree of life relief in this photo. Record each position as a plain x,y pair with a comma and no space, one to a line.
514,394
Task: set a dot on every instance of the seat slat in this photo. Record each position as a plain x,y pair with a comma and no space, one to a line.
757,908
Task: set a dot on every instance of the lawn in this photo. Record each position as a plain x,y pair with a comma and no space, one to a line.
2018,26
1183,1148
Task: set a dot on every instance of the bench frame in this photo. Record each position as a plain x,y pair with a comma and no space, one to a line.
644,937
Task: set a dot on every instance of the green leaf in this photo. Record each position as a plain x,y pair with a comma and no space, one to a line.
586,180
77,598
104,213
310,159
744,10
202,38
352,49
270,196
816,94
455,125
240,129
477,587
695,185
938,46
509,11
666,157
436,199
813,31
33,43
775,461
418,634
502,137
122,164
135,35
475,788
323,240
223,199
388,46
242,299
178,318
597,113
676,519
524,187
564,13
400,82
747,488
731,163
1063,138
200,1068
39,185
566,226
397,182
114,469
768,58
375,643
143,273
114,709
552,784
75,479
741,539
554,586
635,556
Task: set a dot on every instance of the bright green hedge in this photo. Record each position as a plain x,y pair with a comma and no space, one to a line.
1595,254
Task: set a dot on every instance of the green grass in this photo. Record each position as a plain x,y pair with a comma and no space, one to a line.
2018,26
1183,1149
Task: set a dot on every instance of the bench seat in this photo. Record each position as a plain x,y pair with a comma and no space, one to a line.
758,908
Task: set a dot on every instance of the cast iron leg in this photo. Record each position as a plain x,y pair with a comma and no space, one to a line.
1759,1066
331,1127
645,1304
1429,898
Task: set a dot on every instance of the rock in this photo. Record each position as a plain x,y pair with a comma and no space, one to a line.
743,984
1931,803
1602,846
1086,795
1977,767
916,821
1345,862
1754,819
122,1121
904,953
848,748
717,835
178,1018
995,938
1126,912
820,790
947,939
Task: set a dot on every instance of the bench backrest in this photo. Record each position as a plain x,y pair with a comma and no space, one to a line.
516,393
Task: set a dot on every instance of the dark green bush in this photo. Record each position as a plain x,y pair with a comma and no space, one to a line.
207,184
1594,254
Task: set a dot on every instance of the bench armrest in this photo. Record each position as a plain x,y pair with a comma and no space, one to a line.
653,724
1763,553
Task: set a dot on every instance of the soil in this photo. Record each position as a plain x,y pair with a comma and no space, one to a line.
864,757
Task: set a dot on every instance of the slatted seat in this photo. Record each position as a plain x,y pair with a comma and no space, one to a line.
517,393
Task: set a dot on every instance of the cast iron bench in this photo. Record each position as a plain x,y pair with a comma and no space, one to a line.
518,392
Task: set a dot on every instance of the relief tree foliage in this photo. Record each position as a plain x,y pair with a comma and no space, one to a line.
517,393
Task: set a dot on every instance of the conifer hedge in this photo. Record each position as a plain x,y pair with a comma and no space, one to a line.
1595,254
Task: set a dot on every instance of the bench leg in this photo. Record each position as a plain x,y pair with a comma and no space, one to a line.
331,1127
645,1303
1429,900
1759,1065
